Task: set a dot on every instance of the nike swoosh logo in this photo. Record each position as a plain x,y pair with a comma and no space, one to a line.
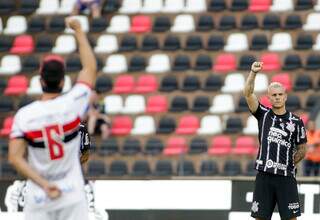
294,212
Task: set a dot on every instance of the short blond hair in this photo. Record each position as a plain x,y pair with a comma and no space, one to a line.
276,85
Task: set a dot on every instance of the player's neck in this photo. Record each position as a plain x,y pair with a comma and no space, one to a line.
279,111
47,96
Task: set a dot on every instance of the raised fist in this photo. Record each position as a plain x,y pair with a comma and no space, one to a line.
73,23
256,67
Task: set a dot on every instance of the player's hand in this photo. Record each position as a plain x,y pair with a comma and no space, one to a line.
73,23
52,191
256,67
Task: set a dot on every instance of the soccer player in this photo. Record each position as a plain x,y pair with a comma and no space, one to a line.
48,129
282,139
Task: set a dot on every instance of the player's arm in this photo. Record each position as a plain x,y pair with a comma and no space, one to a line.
251,98
88,61
300,154
16,156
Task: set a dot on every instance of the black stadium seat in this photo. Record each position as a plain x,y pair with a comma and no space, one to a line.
98,24
259,42
36,25
304,4
215,42
109,147
213,83
171,43
137,63
131,146
128,43
217,5
6,104
161,24
293,103
200,104
96,168
190,84
179,104
5,43
44,43
28,6
292,62
303,82
227,23
232,168
103,84
293,22
56,24
304,42
313,62
239,5
198,145
203,62
163,168
233,125
205,23
193,42
166,125
249,22
149,43
30,64
181,63
141,168
246,62
185,168
118,168
154,146
271,22
209,168
6,7
169,84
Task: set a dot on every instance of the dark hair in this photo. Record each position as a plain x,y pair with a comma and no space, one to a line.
52,73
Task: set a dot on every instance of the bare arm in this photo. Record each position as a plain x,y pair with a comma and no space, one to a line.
300,154
17,149
251,98
89,66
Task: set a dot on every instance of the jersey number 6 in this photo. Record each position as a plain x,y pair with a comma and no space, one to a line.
54,135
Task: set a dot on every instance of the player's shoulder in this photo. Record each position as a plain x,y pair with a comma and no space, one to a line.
295,117
25,110
78,91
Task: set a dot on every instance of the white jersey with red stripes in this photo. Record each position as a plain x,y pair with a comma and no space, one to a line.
51,129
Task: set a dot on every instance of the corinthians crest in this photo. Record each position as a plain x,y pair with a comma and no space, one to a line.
255,206
290,126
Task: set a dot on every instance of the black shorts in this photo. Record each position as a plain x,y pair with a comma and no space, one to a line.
271,189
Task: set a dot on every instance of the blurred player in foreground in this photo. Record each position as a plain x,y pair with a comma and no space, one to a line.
282,138
48,130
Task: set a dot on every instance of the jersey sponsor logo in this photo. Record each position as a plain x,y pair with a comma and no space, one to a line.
277,130
255,206
290,126
272,164
293,206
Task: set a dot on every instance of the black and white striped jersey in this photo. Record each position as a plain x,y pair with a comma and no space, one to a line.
279,136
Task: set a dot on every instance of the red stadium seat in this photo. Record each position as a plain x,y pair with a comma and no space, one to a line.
175,146
305,118
220,145
271,62
23,44
225,63
188,124
124,84
17,85
245,145
284,79
121,125
157,104
260,5
6,128
141,24
264,100
146,84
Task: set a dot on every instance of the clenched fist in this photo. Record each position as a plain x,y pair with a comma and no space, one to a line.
256,67
73,23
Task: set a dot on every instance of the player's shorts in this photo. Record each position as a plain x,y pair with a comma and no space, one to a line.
78,211
271,189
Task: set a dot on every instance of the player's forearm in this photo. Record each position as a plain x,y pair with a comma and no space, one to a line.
300,154
249,86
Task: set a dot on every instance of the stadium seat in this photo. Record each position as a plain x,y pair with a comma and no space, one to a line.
225,63
215,42
305,118
188,124
264,100
282,5
203,62
111,6
6,104
250,169
44,43
152,6
10,64
271,62
233,125
161,24
141,24
205,23
130,6
304,4
245,145
131,146
260,5
6,7
3,85
261,83
17,85
193,42
143,125
121,125
171,43
234,82
157,104
236,42
128,43
56,24
96,168
98,25
16,24
7,170
158,63
311,102
210,124
36,24
317,6
6,126
113,104
232,168
73,64
227,23
284,79
173,6
200,104
141,168
3,148
23,44
222,103
239,5
137,63
312,62
146,84
149,43
119,24
312,23
316,46
154,146
304,42
106,44
66,7
5,42
220,145
134,104
293,22
293,103
195,6
213,83
166,125
115,63
185,168
124,84
163,168
25,100
183,24
179,104
259,42
109,147
280,42
198,145
251,126
181,63
48,7
303,82
217,5
271,22
292,62
65,44
249,22
175,146
242,105
246,62
118,168
209,168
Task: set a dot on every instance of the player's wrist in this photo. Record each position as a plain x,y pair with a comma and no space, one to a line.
255,72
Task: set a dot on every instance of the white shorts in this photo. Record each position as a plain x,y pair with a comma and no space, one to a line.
78,211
